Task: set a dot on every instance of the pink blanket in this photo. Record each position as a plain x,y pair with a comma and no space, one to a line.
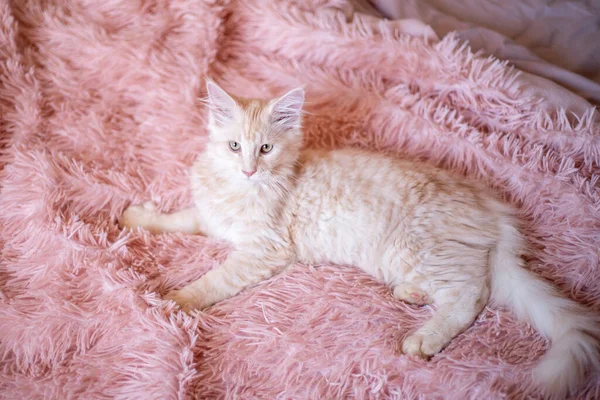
98,108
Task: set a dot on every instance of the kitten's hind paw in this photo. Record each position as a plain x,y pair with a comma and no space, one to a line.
422,346
411,294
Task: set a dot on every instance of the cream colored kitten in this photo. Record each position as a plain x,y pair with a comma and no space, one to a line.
431,237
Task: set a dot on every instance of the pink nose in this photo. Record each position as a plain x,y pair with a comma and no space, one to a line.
249,173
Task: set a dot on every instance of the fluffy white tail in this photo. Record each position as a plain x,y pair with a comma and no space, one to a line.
573,331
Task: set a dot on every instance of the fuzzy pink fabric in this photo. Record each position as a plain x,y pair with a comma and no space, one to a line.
98,103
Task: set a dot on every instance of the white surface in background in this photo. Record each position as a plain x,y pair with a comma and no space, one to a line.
558,40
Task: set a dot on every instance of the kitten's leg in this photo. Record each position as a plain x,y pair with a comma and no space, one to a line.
457,309
240,270
411,293
146,216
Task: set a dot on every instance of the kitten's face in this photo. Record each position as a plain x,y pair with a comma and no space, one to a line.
254,141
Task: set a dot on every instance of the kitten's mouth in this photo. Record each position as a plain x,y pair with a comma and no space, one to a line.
256,177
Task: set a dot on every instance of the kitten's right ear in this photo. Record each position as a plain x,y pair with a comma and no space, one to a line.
221,106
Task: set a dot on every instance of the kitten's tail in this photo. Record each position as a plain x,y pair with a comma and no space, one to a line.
574,332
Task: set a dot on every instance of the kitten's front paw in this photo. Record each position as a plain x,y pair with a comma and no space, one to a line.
185,298
422,346
138,216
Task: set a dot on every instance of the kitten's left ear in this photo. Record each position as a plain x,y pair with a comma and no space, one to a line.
286,112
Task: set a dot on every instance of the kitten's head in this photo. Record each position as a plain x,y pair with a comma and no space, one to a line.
254,141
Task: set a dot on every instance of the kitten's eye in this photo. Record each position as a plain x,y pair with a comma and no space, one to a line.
266,148
234,146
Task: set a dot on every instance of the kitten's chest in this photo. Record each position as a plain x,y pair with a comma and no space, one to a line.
231,216
228,220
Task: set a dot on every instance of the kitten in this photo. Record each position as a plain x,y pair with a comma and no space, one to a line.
431,237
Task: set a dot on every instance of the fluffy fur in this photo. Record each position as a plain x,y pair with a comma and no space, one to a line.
98,110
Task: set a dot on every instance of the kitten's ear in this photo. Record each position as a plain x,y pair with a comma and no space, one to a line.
221,106
286,112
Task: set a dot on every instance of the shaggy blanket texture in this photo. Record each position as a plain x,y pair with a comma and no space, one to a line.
99,108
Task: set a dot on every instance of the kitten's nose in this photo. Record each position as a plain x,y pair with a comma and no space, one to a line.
249,173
